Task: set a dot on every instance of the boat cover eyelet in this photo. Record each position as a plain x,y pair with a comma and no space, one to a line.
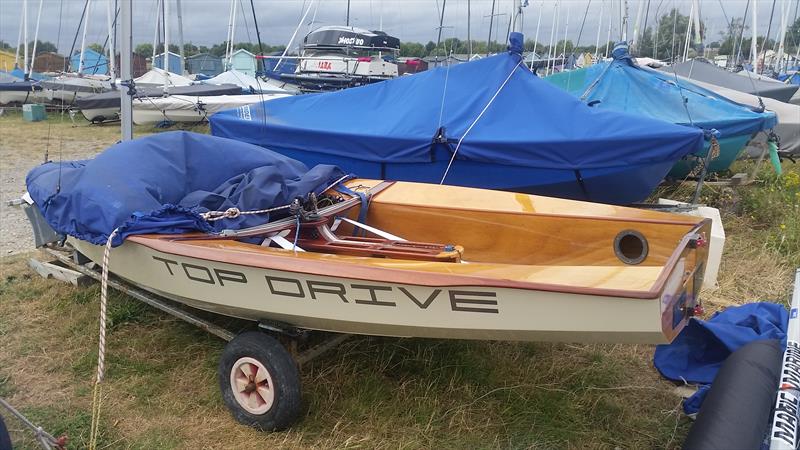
631,247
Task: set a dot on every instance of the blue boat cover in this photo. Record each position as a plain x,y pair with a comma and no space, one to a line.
622,85
504,113
161,183
699,351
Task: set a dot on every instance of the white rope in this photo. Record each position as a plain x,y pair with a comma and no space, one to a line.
97,395
458,146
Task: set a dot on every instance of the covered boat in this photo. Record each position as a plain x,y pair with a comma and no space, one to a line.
239,230
624,86
67,88
14,90
489,123
787,129
191,108
249,85
707,72
105,106
156,77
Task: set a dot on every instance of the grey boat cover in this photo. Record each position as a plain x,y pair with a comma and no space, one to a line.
702,70
111,99
788,128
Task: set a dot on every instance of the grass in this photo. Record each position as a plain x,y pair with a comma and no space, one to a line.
161,388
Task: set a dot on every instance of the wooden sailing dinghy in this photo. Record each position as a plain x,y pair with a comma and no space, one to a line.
446,262
249,233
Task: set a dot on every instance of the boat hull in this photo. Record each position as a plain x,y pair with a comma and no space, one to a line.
353,305
184,108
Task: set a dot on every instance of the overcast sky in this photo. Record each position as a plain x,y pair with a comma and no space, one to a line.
205,22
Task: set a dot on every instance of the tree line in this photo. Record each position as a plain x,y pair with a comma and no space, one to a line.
665,40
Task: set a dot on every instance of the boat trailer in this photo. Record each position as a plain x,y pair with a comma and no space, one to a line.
258,370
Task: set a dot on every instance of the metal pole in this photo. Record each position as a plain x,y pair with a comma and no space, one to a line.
36,35
258,34
180,37
111,52
491,23
754,40
469,35
348,13
441,23
83,39
157,32
166,47
126,44
766,37
19,39
25,36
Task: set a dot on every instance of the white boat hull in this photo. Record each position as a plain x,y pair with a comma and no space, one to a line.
185,108
345,305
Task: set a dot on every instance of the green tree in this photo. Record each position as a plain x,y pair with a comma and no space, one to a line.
145,50
96,47
412,49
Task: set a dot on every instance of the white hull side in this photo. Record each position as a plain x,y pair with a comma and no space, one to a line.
392,309
185,108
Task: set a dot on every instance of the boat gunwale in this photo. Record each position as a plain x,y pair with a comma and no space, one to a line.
175,245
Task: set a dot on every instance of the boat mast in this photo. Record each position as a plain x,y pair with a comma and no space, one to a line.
228,38
698,37
469,35
83,39
766,37
519,17
566,28
599,26
25,36
289,45
157,32
536,38
635,41
258,33
779,55
182,51
754,40
233,35
165,60
35,37
491,24
19,38
624,29
348,14
439,37
610,23
111,53
126,114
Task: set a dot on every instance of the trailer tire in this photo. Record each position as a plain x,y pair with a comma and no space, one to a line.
260,382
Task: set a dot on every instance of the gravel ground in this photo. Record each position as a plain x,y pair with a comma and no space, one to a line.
22,147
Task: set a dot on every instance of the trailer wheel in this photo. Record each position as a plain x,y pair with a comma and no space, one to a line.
260,382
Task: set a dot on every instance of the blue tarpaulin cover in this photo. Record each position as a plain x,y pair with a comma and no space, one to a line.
621,85
697,354
160,184
530,123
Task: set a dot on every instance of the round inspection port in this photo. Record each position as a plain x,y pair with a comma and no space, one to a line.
630,246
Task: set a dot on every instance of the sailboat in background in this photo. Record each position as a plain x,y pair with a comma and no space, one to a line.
189,106
622,85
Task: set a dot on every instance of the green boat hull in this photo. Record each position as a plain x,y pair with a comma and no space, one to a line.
729,150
